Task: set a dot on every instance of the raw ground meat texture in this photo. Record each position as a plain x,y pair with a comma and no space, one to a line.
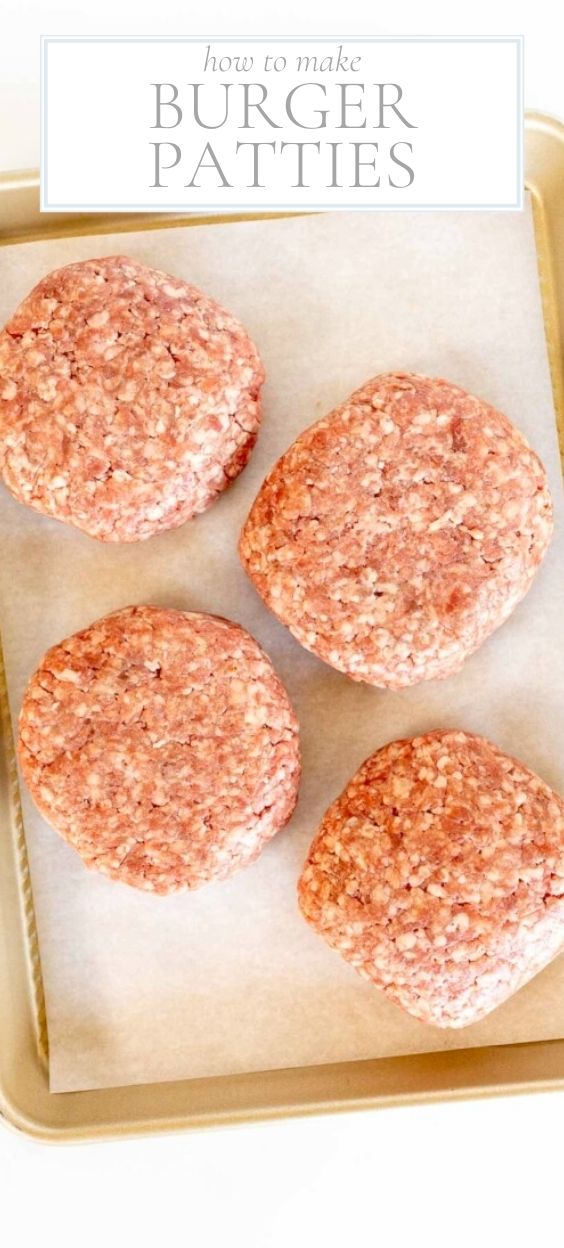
128,399
399,531
162,746
439,875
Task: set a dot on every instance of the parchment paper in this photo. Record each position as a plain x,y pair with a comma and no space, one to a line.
230,978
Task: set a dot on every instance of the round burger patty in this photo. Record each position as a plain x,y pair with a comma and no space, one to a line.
439,874
399,531
128,399
162,746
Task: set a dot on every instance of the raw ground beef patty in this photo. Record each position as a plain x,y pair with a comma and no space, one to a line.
128,399
400,530
439,874
162,746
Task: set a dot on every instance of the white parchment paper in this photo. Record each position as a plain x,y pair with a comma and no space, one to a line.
229,979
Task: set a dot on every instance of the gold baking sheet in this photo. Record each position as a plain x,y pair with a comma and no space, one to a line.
301,1090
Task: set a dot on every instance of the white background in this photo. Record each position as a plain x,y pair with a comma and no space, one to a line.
480,1173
